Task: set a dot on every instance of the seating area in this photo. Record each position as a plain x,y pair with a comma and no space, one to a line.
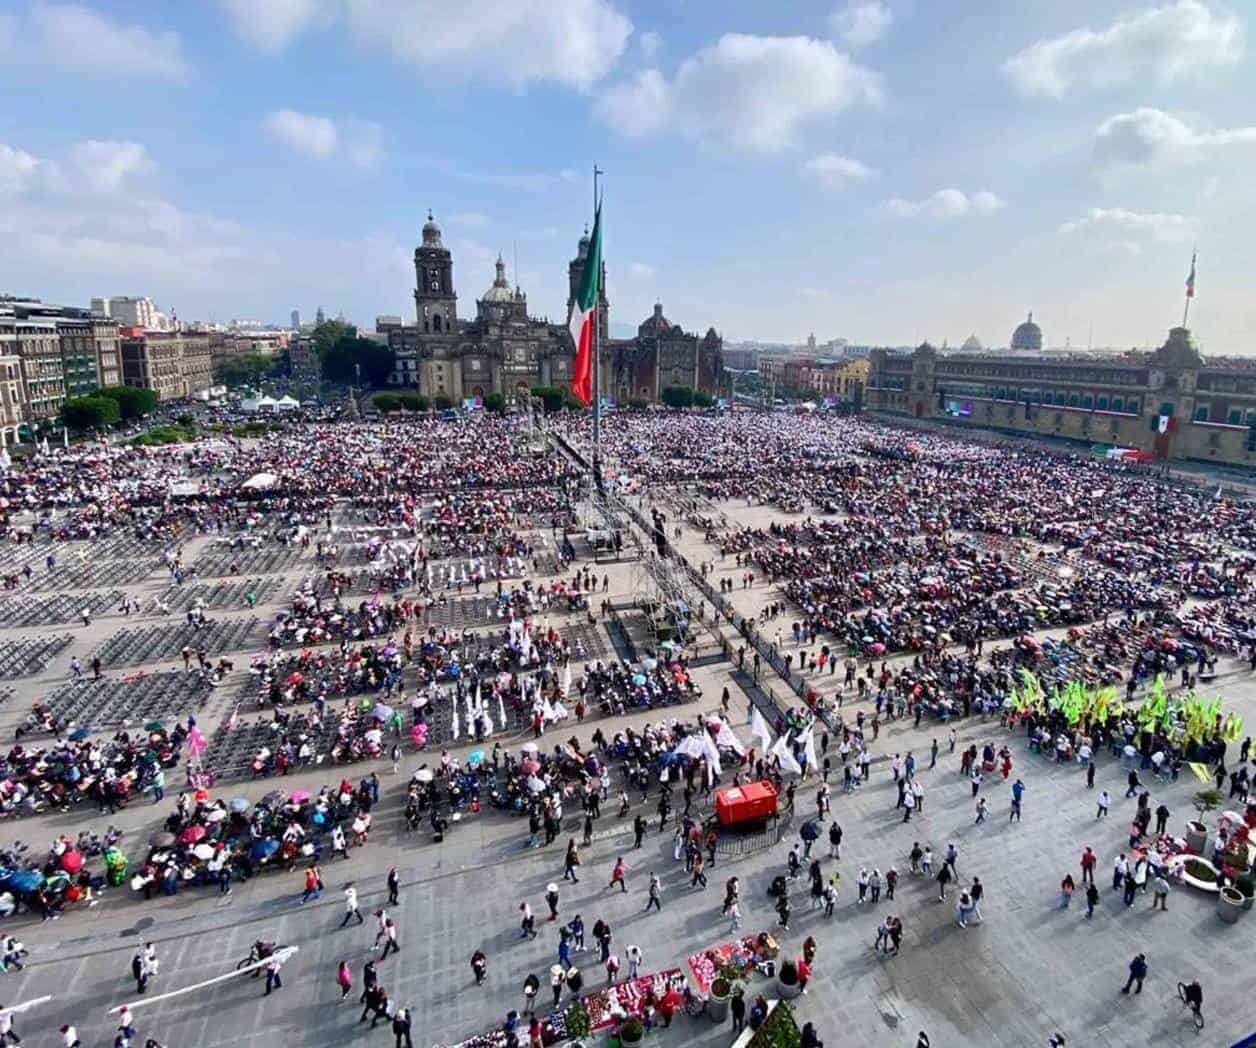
31,655
135,699
29,610
219,595
92,574
463,612
132,647
265,561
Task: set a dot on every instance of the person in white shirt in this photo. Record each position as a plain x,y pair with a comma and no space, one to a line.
633,954
69,1037
351,906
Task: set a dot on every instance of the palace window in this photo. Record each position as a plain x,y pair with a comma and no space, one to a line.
1201,412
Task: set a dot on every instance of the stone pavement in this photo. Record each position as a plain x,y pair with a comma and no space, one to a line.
1027,971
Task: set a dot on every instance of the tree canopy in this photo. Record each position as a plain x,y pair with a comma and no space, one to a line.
92,412
377,362
132,401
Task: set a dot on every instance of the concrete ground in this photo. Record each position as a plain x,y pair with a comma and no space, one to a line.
1028,970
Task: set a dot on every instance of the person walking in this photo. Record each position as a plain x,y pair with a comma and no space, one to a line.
1090,775
835,840
1103,803
1138,972
1119,869
351,905
1162,819
1160,893
273,979
982,809
394,887
1092,900
633,955
527,923
479,967
617,875
8,1035
401,1028
390,938
734,915
344,979
551,900
1018,795
313,885
139,972
654,890
699,876
977,892
1067,887
944,878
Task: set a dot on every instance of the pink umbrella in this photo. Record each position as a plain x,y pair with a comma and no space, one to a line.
300,796
72,862
529,767
192,834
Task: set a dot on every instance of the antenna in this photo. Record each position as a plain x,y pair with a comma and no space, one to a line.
516,264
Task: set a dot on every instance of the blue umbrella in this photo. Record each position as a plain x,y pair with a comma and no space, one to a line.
25,880
240,804
475,757
263,849
79,734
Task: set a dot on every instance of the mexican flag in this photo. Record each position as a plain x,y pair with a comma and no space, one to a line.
584,315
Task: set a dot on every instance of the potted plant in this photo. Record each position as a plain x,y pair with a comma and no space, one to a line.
1229,904
787,981
1196,831
631,1032
727,976
577,1023
1245,885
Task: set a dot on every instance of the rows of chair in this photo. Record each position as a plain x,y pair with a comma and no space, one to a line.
269,560
31,655
478,610
91,573
221,594
131,647
138,698
29,610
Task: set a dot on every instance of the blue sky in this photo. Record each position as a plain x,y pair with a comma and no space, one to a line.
883,170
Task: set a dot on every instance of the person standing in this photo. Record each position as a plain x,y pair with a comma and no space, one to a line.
1067,887
1089,860
1162,819
138,972
1160,895
551,900
1103,803
1138,972
8,1035
734,913
351,905
944,878
401,1028
394,887
571,861
1018,794
273,979
1092,899
976,893
655,888
633,956
737,1005
390,938
835,840
344,979
479,967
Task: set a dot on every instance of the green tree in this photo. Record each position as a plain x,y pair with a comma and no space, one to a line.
132,402
94,412
245,370
329,332
552,397
703,400
377,362
494,402
442,402
387,402
414,401
678,397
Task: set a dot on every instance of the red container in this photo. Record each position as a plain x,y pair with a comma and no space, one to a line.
749,803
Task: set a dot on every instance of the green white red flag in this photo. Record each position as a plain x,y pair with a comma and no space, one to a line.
584,315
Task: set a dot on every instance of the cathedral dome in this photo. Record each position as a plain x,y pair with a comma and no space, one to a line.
431,232
972,344
500,291
1027,335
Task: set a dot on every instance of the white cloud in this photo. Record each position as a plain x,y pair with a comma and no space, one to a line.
837,172
271,25
861,22
18,169
104,166
748,91
573,42
311,135
1169,43
469,218
649,43
79,39
1152,136
813,292
363,143
1121,223
946,203
640,270
529,181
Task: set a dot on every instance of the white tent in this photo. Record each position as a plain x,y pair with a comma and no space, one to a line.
254,404
287,404
184,488
260,482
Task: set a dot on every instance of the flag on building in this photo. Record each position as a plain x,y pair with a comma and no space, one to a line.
1190,280
584,315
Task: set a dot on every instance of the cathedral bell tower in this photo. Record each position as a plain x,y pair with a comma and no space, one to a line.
434,298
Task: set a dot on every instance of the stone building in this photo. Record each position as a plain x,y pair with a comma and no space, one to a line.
172,364
503,349
1171,402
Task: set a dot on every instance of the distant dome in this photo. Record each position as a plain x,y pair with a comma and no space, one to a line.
431,232
500,291
1027,335
971,344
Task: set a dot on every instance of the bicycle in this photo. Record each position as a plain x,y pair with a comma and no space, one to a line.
1197,1013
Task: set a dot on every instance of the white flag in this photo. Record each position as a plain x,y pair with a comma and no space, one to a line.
782,750
760,730
727,738
809,748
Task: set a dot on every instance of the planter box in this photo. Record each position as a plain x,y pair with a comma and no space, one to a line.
1229,905
1196,837
747,1035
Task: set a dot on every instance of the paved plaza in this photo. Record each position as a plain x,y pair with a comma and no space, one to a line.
1027,970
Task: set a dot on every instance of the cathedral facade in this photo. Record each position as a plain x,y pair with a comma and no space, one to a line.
505,350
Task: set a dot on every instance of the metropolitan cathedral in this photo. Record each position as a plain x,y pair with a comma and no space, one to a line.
504,350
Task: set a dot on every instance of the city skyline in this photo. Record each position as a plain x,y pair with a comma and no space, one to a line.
880,171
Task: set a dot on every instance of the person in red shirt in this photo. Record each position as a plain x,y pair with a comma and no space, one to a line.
1089,860
617,874
804,972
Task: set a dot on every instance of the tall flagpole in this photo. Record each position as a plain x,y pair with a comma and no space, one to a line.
597,371
1190,289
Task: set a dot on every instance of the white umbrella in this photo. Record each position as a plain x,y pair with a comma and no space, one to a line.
531,748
